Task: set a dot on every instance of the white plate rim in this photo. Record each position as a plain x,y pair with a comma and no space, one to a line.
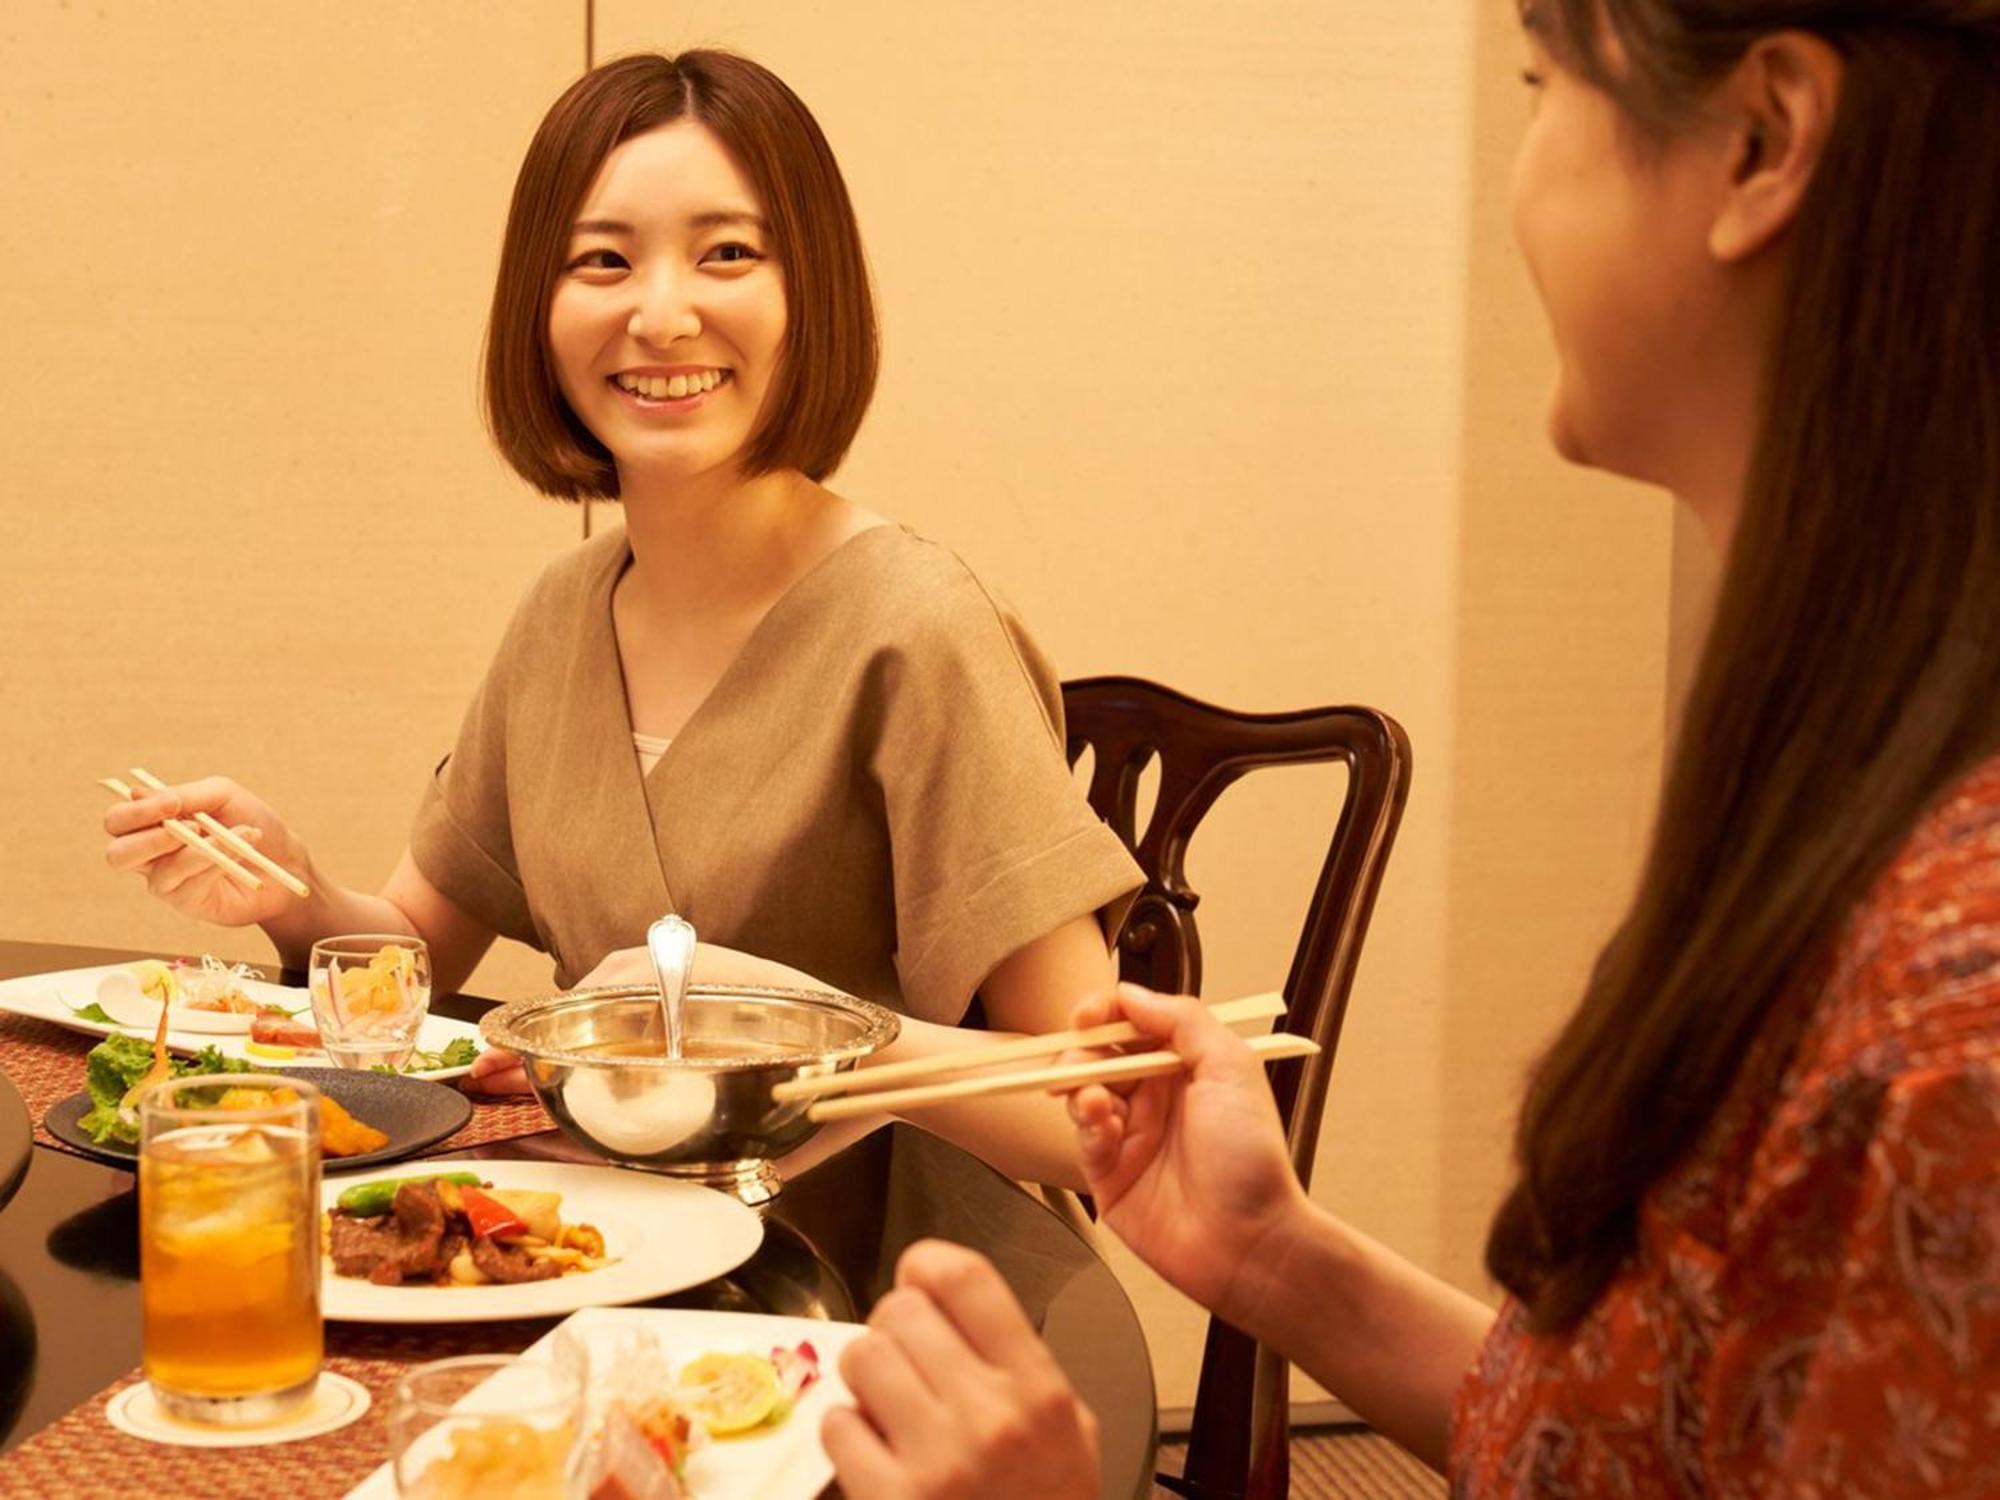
806,1470
735,1228
34,996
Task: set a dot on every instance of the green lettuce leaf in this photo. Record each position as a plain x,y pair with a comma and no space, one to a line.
210,1059
457,1053
118,1062
114,1065
104,1124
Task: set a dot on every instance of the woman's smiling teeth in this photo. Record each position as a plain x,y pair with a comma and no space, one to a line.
670,387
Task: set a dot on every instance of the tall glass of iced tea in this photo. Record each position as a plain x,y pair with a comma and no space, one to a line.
229,1252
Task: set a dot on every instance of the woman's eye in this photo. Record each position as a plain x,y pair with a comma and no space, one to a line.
732,254
597,260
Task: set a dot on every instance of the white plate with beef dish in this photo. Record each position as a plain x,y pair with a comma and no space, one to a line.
410,1256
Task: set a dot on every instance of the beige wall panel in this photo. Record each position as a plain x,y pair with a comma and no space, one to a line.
1561,664
245,256
1173,298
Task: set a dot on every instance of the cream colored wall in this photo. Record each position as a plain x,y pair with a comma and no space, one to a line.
254,527
1203,344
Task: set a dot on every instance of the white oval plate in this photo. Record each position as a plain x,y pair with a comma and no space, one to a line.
665,1236
57,998
119,997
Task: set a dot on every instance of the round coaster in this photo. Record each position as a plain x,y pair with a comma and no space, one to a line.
335,1402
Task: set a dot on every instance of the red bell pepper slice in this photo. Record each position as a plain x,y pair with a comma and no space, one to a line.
489,1217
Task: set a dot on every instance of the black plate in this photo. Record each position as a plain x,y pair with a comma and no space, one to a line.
17,1139
415,1114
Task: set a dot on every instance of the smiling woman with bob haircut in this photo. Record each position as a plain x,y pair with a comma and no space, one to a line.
822,390
814,735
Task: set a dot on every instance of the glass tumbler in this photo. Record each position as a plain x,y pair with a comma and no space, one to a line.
487,1427
229,1252
370,994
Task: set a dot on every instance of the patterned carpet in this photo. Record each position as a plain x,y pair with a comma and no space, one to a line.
1339,1464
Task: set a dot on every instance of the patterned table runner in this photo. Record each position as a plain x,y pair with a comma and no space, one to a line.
83,1454
46,1063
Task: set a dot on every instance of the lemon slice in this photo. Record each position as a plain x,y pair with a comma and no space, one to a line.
730,1392
270,1049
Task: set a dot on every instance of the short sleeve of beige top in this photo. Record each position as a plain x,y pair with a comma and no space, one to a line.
875,792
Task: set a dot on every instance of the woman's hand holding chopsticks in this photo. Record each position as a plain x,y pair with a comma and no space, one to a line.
194,884
1189,1169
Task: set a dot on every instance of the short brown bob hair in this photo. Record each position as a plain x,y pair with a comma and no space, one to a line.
826,373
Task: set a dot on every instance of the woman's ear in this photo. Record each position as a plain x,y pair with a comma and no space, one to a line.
1778,109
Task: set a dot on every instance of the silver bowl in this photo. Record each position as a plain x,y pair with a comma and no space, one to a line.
709,1115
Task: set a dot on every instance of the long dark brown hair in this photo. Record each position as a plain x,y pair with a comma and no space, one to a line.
1852,670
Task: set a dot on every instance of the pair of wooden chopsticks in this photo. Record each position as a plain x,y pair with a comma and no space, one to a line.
868,1092
220,832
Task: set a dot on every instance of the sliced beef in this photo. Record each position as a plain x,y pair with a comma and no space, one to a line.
510,1263
359,1245
416,1240
418,1210
405,1244
420,1225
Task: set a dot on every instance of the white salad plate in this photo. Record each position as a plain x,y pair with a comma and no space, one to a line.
120,997
59,996
780,1462
660,1235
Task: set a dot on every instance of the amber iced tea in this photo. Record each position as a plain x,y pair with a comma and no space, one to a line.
229,1249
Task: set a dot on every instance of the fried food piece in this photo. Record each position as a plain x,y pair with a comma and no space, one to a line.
340,1134
234,1097
581,1237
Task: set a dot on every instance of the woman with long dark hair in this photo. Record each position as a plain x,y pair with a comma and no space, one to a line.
1754,1246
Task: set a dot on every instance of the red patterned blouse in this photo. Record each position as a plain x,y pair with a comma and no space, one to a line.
1813,1307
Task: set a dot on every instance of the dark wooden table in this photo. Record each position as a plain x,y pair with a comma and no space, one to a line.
69,1290
17,1138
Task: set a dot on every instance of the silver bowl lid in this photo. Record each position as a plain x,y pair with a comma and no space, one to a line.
503,1027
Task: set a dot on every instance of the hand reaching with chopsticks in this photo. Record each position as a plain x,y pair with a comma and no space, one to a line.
1189,1169
144,842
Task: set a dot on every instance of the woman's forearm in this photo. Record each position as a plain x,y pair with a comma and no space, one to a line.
331,909
1024,1135
1028,1136
407,903
1386,1337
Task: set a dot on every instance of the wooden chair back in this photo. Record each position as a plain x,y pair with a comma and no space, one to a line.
1238,1445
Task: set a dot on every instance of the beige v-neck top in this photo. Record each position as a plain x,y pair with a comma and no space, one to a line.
875,791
